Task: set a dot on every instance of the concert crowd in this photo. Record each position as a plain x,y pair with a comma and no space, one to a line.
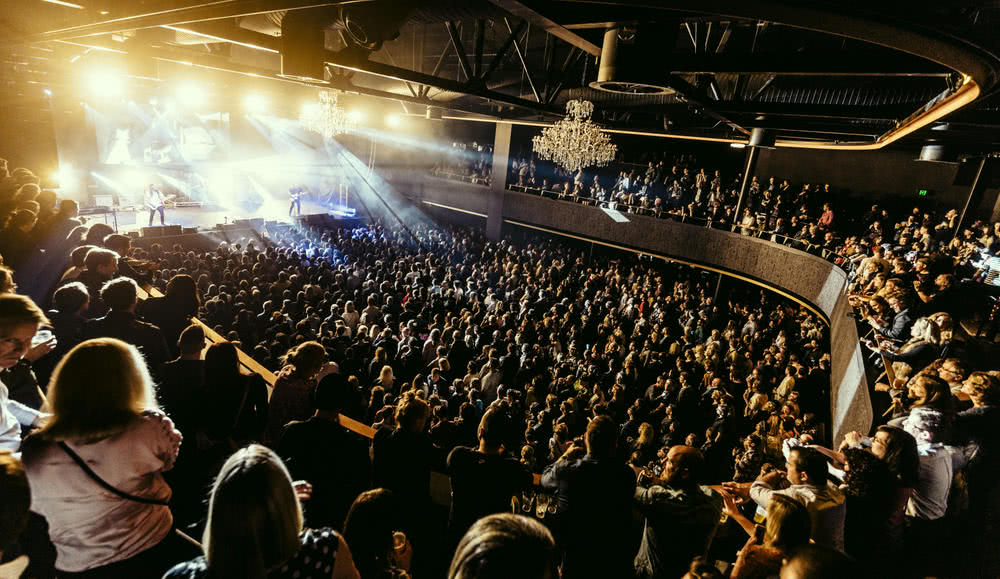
597,415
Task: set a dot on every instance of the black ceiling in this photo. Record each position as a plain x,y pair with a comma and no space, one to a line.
818,74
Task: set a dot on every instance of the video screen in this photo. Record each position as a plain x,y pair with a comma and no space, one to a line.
132,134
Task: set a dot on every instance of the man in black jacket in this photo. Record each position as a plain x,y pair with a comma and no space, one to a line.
328,455
594,493
121,295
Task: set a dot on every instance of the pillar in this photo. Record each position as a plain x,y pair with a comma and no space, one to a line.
498,181
748,169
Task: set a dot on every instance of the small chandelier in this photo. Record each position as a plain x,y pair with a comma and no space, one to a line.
325,117
575,142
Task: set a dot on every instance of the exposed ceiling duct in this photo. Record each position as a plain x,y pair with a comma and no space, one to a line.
632,62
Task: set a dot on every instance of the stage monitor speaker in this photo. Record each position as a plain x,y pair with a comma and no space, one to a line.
161,230
314,219
255,223
190,230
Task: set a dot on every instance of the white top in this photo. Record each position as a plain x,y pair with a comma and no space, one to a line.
90,526
13,415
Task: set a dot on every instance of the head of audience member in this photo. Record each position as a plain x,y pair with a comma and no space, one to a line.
304,361
71,299
982,389
924,424
222,364
97,233
15,499
19,322
118,243
182,293
929,391
7,284
411,413
601,438
120,294
898,449
807,466
505,545
98,389
103,262
332,395
683,467
788,525
372,521
192,342
492,430
254,517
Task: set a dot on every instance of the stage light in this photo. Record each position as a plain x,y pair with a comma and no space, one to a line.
394,121
64,175
153,102
738,145
191,95
47,92
104,83
356,116
256,103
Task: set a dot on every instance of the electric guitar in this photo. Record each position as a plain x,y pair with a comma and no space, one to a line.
157,203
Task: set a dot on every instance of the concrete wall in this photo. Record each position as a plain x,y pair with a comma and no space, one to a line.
806,278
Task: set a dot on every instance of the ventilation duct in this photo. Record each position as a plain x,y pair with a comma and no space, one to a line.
934,151
632,62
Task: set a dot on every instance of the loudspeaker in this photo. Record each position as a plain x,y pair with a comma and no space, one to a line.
314,219
189,230
162,230
255,223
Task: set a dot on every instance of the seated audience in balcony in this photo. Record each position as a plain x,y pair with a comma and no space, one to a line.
255,527
105,433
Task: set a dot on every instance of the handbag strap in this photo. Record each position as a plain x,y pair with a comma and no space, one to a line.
105,484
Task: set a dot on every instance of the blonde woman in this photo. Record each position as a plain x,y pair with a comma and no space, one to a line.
787,528
302,367
95,466
254,527
386,379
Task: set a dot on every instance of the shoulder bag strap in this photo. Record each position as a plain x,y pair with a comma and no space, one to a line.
105,484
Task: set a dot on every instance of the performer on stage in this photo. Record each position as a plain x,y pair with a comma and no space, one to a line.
154,200
295,194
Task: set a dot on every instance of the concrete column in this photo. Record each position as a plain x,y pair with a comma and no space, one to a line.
498,181
748,168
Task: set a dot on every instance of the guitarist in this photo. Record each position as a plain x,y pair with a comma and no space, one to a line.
295,195
154,200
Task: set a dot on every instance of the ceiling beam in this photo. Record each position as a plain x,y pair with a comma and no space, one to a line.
554,28
774,109
218,10
405,75
804,64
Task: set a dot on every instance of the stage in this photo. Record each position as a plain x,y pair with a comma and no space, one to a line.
205,217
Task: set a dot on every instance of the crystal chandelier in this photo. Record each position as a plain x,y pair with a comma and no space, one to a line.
325,117
575,142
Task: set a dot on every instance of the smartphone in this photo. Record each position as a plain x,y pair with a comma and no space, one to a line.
758,533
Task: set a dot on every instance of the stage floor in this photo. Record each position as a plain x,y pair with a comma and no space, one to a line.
202,217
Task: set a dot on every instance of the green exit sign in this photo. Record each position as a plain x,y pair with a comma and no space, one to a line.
922,192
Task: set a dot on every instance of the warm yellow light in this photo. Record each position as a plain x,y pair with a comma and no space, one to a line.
256,103
104,83
356,116
394,121
191,95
